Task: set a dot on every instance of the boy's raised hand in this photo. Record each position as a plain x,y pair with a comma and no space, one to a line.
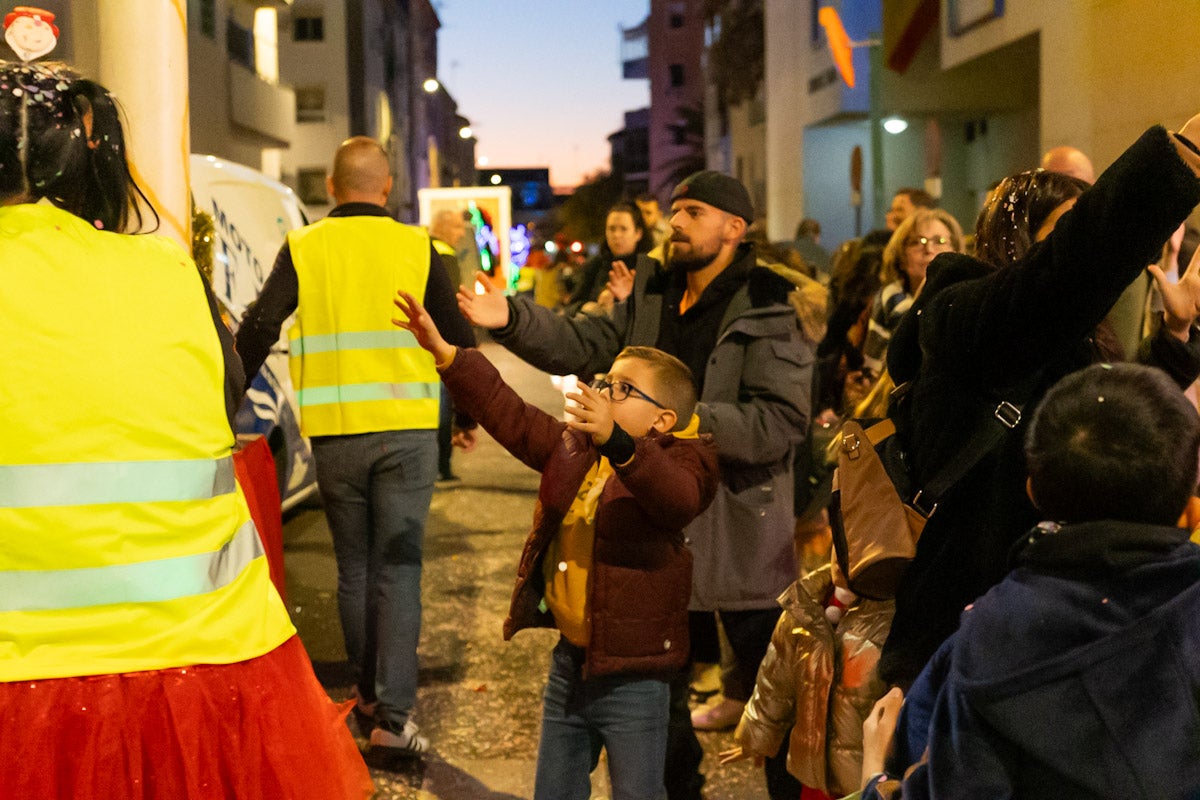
487,310
418,322
591,412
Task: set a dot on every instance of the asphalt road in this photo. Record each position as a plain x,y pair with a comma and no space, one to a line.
479,700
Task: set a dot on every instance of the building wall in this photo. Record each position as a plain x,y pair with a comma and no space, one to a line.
1108,69
682,46
748,150
813,120
316,65
785,24
210,79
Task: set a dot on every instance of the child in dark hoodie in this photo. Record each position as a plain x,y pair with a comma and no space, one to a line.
1078,674
606,561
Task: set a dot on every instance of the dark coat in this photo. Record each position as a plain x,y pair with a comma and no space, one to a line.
1076,677
973,334
642,572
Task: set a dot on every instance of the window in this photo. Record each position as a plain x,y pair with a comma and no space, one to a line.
676,75
677,14
308,29
311,187
310,104
239,44
208,18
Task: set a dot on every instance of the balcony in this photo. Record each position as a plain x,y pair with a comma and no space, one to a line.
635,51
266,109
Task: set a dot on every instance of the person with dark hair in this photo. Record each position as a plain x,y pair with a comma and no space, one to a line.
987,336
1023,209
808,244
370,401
625,242
606,562
657,226
904,202
1077,675
145,651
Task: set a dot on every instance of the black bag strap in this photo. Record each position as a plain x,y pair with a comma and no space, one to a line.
994,423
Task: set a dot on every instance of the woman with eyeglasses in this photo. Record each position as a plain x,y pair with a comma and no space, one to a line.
994,332
926,233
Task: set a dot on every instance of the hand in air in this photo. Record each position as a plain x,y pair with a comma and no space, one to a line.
487,310
620,281
591,412
1181,300
418,322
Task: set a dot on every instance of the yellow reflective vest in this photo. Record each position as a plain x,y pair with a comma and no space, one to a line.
125,542
354,371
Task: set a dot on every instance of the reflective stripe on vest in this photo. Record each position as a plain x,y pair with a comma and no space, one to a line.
125,542
143,582
354,371
31,485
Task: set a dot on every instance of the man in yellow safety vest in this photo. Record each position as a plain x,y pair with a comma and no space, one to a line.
368,398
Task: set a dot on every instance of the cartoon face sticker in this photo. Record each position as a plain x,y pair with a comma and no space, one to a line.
30,32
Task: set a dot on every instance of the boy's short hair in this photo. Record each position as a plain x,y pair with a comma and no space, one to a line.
1117,441
674,385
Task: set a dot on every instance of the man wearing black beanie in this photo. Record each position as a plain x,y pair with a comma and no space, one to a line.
729,319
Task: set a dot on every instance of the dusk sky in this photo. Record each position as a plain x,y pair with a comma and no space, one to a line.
540,80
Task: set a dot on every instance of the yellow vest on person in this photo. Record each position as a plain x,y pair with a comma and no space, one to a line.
125,542
354,371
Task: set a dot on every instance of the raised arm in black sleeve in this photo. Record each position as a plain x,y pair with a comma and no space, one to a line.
443,310
259,329
443,307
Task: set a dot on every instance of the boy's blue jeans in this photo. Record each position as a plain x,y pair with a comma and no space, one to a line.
624,714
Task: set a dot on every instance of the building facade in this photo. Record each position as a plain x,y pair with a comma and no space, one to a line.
985,88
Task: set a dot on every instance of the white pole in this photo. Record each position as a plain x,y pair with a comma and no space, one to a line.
143,61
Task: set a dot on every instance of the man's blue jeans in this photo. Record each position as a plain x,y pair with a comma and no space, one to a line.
376,488
624,714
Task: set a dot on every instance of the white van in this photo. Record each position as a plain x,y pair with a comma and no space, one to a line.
251,217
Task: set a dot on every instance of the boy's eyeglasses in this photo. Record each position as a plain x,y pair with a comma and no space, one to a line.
620,390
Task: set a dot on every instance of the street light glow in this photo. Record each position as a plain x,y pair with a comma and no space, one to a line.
465,132
431,85
495,180
895,125
484,161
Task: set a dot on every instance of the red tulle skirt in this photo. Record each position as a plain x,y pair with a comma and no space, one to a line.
262,729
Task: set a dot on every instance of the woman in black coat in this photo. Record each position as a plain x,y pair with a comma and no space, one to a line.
1008,327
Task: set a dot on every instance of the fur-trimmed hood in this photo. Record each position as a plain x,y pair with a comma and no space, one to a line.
775,282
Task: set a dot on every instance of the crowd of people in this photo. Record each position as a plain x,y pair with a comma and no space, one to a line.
681,513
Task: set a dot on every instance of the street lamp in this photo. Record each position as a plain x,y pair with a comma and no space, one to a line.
895,125
465,132
431,85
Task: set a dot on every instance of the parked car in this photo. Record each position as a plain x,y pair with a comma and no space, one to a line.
251,217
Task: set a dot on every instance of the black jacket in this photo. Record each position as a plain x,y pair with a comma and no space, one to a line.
974,335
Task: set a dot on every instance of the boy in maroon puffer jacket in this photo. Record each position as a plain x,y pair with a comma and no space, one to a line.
606,562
